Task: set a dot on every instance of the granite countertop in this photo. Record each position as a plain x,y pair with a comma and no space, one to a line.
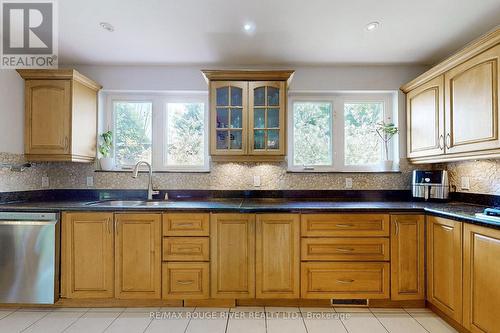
456,210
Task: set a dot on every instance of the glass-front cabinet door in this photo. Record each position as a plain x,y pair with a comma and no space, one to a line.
228,117
267,118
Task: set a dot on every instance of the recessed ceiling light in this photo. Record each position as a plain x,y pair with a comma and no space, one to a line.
107,26
372,26
249,28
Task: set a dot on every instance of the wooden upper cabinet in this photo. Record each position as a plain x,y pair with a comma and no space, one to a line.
407,257
278,256
425,119
232,241
138,256
248,114
472,95
87,255
60,115
481,271
267,118
444,266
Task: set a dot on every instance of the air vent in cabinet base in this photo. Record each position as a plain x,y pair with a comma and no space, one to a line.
350,302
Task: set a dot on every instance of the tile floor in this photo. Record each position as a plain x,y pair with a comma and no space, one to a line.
222,320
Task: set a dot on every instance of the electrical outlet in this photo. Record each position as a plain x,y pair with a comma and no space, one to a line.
45,181
90,181
465,183
256,181
348,183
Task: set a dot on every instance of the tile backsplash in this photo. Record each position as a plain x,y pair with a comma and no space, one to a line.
484,175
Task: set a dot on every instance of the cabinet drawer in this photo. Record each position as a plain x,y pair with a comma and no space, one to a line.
186,224
345,249
185,280
349,225
186,249
345,280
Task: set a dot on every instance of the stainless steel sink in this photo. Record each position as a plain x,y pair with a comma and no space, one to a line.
117,203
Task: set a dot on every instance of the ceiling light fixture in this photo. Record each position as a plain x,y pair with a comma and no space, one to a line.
249,28
107,26
372,26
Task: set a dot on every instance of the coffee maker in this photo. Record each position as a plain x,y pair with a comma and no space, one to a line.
430,184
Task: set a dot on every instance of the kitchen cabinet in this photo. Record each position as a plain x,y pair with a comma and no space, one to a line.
60,115
425,119
444,266
481,297
407,257
186,224
248,114
232,266
452,109
344,225
87,255
185,280
277,256
138,256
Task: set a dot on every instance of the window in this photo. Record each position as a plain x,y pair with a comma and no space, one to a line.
168,130
337,132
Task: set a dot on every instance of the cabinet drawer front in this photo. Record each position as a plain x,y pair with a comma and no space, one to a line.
350,225
345,249
185,224
345,280
185,280
186,249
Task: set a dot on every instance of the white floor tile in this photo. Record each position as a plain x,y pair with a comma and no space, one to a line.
20,320
247,319
35,309
387,310
175,322
281,309
431,321
362,322
70,309
177,309
54,322
290,323
120,310
5,312
247,309
129,323
323,320
306,310
93,322
352,310
396,322
142,310
203,324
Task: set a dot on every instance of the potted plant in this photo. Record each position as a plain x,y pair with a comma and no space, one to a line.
386,131
106,160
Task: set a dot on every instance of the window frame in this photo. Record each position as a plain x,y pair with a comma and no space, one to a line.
159,127
338,100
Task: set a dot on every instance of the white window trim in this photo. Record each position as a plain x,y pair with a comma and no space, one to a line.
337,99
159,102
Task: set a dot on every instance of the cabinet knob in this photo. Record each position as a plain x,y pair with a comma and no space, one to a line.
441,142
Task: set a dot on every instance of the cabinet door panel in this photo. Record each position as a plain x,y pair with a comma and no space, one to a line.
87,255
444,266
472,94
277,256
232,241
425,117
481,272
48,112
407,257
138,256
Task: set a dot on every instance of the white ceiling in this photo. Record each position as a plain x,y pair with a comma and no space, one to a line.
314,32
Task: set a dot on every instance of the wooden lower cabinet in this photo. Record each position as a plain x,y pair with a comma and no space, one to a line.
444,266
138,256
87,255
232,242
277,256
481,298
345,249
186,280
345,225
407,257
345,280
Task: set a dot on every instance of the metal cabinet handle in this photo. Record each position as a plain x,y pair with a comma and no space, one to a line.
441,142
448,141
187,249
185,282
396,229
344,225
116,227
66,142
108,223
345,281
185,224
339,249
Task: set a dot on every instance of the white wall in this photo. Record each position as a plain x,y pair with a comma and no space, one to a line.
189,78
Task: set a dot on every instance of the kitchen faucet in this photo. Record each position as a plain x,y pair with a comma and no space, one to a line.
135,173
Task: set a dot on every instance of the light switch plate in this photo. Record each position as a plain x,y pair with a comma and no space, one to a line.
45,182
348,183
256,181
465,183
90,181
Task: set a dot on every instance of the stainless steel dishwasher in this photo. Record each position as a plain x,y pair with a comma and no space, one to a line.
29,258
